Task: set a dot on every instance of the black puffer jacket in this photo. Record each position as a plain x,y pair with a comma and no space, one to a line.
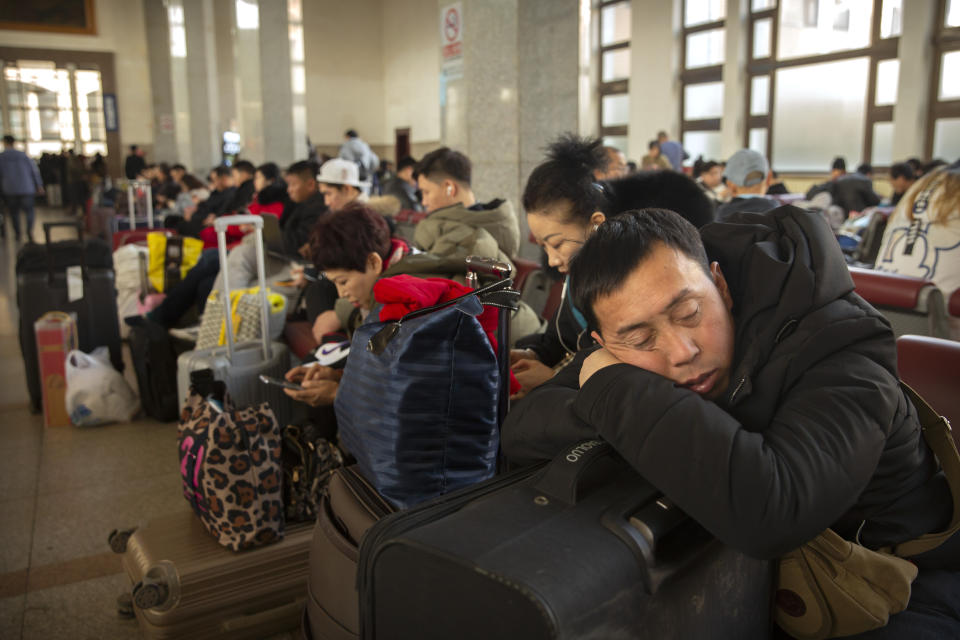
814,430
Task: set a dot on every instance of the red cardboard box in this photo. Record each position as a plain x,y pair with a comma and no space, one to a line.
56,337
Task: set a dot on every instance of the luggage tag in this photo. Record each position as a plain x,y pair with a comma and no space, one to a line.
74,283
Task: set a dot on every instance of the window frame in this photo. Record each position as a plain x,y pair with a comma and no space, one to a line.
614,87
945,40
700,75
877,50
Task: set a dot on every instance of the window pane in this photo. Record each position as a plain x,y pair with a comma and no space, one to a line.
617,142
705,48
758,140
888,74
953,13
616,65
891,20
761,38
950,76
700,11
759,95
809,96
946,138
812,27
701,143
760,5
615,23
882,155
295,34
616,110
703,101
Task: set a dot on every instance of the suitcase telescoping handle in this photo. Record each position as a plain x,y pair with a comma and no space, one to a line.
148,202
220,226
75,224
502,271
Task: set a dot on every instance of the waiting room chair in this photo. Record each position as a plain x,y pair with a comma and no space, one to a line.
524,268
912,305
932,367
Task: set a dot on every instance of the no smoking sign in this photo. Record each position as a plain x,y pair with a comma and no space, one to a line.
451,30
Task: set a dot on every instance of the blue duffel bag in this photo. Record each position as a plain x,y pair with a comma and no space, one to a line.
417,404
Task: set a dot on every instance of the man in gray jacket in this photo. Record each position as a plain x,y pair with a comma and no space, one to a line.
20,181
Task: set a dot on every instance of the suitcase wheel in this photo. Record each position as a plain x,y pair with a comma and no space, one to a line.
125,606
147,595
118,539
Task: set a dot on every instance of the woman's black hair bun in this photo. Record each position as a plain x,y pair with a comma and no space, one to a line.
581,154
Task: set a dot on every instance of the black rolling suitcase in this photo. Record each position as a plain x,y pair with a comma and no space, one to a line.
42,285
350,503
582,547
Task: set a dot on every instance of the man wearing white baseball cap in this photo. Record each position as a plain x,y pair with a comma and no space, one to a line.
340,183
748,176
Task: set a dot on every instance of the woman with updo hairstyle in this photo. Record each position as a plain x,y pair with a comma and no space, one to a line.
564,204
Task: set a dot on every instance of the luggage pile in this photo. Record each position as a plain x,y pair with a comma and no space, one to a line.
417,530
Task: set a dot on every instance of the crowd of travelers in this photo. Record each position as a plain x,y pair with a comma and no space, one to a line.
706,330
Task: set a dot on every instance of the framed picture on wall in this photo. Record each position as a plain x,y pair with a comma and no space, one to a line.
61,16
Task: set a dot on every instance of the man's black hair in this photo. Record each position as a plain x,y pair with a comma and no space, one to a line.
619,245
917,165
653,143
659,190
445,163
567,177
8,139
701,166
839,164
305,169
179,167
270,171
902,170
222,171
245,166
865,168
351,133
133,148
406,161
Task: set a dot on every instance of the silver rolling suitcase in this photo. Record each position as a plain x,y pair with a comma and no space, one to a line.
240,365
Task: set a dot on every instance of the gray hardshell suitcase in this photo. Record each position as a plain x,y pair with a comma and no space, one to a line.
240,365
186,585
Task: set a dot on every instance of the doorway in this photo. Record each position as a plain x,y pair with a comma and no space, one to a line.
401,144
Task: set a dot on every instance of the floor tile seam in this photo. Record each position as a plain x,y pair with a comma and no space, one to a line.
59,574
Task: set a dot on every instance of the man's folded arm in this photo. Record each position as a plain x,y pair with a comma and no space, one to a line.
761,493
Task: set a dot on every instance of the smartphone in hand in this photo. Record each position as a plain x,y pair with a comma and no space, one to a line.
280,383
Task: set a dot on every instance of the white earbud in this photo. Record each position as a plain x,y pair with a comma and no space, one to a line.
449,190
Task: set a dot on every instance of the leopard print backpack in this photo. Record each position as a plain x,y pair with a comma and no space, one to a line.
230,466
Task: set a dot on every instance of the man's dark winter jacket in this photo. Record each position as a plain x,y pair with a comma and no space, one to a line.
851,192
297,223
814,430
745,205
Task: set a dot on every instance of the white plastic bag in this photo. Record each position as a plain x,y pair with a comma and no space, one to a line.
96,392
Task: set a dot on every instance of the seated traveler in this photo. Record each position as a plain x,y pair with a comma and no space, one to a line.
742,376
748,176
922,237
353,249
564,205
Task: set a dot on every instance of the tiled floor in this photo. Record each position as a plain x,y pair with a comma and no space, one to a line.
62,490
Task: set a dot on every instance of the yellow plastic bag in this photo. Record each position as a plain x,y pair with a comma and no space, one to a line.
170,259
